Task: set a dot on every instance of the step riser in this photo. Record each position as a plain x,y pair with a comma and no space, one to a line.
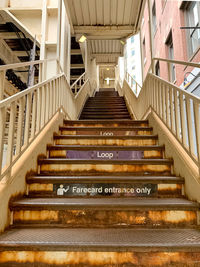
69,258
106,168
105,218
117,142
106,189
107,133
107,117
105,124
75,154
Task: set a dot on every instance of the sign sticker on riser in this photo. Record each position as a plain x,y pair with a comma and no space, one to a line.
102,155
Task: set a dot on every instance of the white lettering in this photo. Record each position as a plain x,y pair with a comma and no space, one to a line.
105,155
106,133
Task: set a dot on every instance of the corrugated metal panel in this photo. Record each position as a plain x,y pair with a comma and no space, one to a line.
104,12
105,46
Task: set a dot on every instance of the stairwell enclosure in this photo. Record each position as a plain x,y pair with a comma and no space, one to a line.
23,119
175,115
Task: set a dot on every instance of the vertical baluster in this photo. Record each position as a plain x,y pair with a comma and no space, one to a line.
197,128
172,119
11,133
40,72
2,84
33,122
159,101
183,122
156,95
27,119
2,132
190,126
20,125
167,106
150,86
50,100
60,90
54,97
39,104
57,95
43,106
46,103
177,109
164,103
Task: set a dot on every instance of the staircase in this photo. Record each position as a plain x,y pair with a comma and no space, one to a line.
105,105
105,195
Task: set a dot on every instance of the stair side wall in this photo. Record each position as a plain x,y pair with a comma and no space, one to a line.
15,183
183,165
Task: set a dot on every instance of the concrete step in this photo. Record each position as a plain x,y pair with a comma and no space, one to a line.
105,212
106,131
132,186
103,112
100,247
79,166
105,123
137,140
114,152
105,117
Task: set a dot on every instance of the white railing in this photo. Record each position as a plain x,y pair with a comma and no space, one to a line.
178,109
76,86
133,84
4,68
26,113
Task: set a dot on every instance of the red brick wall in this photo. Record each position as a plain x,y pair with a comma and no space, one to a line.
171,17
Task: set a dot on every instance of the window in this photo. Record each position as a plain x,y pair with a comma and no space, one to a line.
154,17
144,50
132,39
193,20
157,68
133,53
170,48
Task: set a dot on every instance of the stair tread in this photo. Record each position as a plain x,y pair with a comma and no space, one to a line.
109,203
124,137
103,121
106,161
100,239
105,128
93,147
93,179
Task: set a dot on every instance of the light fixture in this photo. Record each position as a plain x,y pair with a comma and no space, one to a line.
82,39
108,69
122,42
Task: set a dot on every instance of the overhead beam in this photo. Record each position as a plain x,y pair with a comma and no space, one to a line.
77,66
106,54
107,64
111,31
75,52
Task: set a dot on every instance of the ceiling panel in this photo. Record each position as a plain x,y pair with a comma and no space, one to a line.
104,12
105,23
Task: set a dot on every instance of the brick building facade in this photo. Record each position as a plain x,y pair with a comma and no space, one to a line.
169,40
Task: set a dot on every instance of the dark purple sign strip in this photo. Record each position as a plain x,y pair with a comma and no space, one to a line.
102,155
144,190
107,133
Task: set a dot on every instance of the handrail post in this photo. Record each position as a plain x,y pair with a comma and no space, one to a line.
2,84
